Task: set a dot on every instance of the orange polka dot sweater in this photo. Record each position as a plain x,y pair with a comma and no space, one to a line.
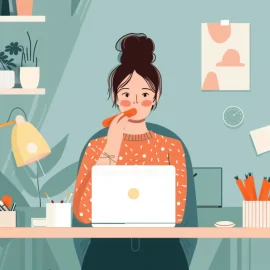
146,149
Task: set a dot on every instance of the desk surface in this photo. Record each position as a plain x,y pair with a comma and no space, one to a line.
203,232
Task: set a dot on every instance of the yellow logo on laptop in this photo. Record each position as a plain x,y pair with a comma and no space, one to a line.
133,193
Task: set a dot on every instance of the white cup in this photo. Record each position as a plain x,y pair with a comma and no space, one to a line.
7,218
58,214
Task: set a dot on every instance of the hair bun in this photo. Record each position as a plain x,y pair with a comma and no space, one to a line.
136,49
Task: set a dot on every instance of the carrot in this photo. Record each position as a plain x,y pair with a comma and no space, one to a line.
247,185
264,190
252,187
128,113
242,188
267,196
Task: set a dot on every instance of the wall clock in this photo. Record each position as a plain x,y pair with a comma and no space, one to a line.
233,116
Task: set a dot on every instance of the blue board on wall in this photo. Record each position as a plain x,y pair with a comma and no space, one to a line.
208,186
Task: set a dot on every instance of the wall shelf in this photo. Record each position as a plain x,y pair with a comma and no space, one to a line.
22,91
22,18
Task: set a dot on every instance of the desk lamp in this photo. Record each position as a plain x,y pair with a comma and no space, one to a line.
28,144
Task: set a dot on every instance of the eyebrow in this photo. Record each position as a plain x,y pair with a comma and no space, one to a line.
122,89
148,89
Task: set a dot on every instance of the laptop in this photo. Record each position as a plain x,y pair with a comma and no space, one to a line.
133,196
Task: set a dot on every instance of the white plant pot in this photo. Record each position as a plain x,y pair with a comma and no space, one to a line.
7,79
29,77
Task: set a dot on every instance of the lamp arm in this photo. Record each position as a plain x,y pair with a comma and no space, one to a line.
8,124
16,109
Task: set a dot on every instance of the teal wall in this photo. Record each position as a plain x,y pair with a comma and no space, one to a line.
77,53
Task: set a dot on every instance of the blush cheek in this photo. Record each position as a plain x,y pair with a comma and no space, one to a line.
125,103
147,103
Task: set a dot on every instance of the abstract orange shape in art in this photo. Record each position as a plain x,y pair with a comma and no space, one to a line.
231,58
219,33
211,82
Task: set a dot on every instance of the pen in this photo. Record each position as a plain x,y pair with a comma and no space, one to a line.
13,207
48,197
66,196
69,197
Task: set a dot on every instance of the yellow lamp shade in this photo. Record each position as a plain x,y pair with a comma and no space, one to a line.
28,144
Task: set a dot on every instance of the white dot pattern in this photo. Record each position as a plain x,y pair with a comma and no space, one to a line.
167,151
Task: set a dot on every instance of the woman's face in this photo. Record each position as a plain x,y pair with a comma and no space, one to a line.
136,94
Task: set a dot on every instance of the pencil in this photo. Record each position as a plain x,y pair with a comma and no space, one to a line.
252,187
242,188
264,190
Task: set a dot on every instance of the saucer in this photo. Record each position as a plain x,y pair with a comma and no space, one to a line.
224,224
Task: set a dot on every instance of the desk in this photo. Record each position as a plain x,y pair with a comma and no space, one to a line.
213,251
203,232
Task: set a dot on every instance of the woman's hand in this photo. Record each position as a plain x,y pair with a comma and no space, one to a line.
116,130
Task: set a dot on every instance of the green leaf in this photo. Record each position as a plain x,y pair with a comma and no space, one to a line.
12,65
8,188
9,67
24,177
50,161
30,173
2,53
10,60
61,181
5,57
27,182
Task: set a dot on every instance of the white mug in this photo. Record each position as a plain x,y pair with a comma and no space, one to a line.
58,214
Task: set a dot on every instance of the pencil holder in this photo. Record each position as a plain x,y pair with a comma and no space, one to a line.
8,219
256,214
58,214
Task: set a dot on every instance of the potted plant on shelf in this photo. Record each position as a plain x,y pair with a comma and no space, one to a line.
13,49
29,71
7,74
24,7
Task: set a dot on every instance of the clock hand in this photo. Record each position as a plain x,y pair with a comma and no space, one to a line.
236,112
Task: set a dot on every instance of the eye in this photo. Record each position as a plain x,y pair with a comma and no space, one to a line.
145,94
126,94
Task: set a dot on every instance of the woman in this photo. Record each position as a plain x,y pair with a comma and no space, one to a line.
135,83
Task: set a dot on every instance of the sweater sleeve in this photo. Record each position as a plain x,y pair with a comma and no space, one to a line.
178,160
82,206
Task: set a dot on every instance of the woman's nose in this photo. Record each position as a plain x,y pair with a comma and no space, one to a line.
136,101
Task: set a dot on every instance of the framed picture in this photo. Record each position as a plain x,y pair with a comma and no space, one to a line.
225,52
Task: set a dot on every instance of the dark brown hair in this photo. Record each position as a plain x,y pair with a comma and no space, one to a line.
136,54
